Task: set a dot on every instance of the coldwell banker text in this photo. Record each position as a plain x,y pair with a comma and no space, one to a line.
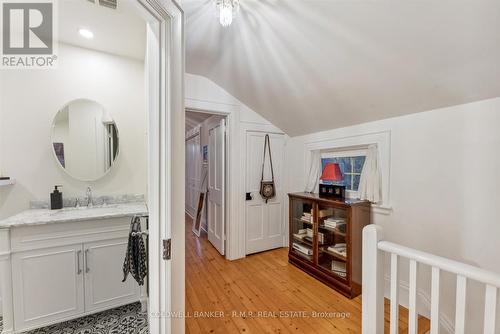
28,34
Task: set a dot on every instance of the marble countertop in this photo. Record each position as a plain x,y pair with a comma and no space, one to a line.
46,216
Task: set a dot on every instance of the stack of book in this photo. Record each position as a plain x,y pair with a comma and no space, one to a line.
309,236
307,217
339,268
300,235
335,223
302,249
339,249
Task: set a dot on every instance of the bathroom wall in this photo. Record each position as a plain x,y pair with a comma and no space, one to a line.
29,101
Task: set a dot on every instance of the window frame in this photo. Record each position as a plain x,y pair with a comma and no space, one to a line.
345,154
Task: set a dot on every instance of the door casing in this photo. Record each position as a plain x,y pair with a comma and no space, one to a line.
165,97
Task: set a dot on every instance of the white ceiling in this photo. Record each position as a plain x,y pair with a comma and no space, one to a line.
120,31
314,65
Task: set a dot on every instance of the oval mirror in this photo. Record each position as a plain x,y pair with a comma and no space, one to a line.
85,140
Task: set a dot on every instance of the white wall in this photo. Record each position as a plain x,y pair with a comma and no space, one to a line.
203,94
30,101
445,189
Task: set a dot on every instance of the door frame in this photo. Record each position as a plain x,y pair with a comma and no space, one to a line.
228,182
164,67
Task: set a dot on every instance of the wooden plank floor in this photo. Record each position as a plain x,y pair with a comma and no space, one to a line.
263,293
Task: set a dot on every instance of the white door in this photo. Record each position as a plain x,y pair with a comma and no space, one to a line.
50,285
193,166
103,266
216,184
264,221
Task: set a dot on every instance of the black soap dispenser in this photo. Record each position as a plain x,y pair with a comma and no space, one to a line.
56,200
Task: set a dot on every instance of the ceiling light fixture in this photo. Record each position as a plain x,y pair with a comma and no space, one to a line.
226,10
86,33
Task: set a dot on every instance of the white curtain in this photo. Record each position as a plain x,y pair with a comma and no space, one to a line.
314,171
370,184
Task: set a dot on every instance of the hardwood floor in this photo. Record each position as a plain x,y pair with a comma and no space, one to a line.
263,293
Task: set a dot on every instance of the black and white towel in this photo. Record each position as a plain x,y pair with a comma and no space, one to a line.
136,258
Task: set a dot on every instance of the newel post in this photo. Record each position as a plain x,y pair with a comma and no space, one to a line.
373,281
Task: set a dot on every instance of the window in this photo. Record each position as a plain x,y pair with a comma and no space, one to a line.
351,164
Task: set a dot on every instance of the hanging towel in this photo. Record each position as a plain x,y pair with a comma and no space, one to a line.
135,259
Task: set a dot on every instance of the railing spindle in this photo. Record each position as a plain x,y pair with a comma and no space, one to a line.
490,308
460,305
435,300
412,307
394,322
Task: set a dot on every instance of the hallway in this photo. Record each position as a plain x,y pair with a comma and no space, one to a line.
285,296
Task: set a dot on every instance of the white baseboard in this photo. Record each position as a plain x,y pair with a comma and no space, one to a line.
424,299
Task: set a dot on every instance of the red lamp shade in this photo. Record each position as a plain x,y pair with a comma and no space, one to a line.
332,172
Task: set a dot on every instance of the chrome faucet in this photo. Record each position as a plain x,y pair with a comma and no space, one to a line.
89,198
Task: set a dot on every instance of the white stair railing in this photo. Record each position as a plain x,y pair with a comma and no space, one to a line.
374,248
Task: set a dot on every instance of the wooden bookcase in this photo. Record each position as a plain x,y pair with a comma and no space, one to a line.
319,226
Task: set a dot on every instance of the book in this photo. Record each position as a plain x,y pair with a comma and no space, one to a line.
339,268
299,236
302,249
339,249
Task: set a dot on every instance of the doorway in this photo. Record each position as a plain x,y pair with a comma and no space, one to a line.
206,167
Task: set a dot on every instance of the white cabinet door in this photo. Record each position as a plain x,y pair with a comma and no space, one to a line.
103,268
48,285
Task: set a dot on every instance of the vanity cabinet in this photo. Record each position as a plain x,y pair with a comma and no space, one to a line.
64,271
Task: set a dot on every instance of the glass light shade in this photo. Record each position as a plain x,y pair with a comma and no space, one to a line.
226,16
226,10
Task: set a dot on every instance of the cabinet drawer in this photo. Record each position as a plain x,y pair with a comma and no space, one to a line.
59,234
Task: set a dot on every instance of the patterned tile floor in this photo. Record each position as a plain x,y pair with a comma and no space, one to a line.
127,319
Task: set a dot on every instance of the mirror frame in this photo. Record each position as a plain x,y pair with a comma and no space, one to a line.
54,152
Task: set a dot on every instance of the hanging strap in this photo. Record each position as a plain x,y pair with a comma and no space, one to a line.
267,145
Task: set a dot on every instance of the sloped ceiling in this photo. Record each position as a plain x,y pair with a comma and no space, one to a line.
314,65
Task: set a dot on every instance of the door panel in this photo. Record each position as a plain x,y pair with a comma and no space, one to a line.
216,184
104,273
264,221
275,214
49,283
